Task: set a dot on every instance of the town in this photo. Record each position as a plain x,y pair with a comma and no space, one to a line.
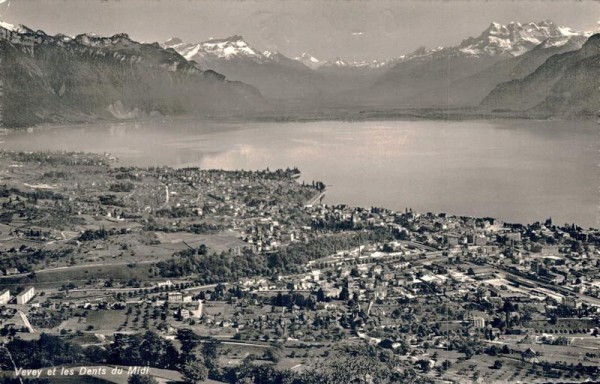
248,276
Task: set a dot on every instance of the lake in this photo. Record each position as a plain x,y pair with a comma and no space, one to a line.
515,170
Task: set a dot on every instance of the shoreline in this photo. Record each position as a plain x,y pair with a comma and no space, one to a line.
357,114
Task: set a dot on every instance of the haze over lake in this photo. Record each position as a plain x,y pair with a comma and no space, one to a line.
519,171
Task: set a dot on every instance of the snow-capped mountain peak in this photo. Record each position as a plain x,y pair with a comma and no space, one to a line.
230,47
269,54
309,60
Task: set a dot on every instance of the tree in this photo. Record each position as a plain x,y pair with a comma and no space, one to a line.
446,364
210,353
320,295
143,349
274,353
424,365
189,340
141,379
193,369
497,364
344,294
352,365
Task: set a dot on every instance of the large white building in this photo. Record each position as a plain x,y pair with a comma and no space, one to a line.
175,297
4,297
26,295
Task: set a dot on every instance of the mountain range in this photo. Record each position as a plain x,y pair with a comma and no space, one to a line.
278,77
463,75
443,77
275,75
72,79
538,68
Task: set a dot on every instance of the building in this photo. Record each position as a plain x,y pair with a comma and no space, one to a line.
26,295
184,314
4,297
452,239
514,236
167,284
175,297
571,302
478,322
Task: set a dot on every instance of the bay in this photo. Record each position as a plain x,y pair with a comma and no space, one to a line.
514,170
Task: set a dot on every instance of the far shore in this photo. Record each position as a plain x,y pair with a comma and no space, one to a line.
333,114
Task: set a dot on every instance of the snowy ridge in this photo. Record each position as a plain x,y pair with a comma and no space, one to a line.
230,48
340,63
235,48
93,40
312,62
512,39
87,39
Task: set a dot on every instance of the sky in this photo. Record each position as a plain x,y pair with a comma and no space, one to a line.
350,29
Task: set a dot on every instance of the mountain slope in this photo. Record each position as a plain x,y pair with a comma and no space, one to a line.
471,90
567,83
62,79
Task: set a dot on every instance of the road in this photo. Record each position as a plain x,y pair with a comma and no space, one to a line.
26,321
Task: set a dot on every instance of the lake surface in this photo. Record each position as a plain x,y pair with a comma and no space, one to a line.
519,171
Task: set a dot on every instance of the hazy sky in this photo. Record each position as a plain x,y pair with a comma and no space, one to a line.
359,30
